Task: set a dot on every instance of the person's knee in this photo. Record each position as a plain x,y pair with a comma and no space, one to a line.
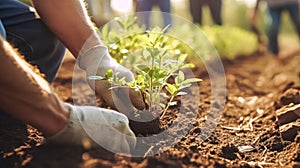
50,65
39,46
53,51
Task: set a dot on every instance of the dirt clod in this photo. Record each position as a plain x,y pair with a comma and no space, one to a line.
288,113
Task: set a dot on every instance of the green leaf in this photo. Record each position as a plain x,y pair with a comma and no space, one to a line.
159,74
147,77
113,37
157,84
170,62
179,78
190,80
120,22
147,54
162,105
189,65
150,73
143,68
182,58
171,89
108,73
132,84
131,21
105,31
140,79
184,86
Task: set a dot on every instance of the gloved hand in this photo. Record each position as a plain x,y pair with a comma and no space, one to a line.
96,61
103,127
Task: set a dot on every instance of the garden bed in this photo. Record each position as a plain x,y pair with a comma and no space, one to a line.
257,127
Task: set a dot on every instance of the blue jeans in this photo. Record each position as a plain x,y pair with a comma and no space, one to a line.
147,5
31,37
273,30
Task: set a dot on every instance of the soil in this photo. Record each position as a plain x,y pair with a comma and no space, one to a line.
258,128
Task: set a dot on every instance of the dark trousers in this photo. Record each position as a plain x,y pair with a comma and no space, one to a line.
273,27
215,7
21,27
147,5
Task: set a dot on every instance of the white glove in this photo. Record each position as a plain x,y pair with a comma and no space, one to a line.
96,61
103,127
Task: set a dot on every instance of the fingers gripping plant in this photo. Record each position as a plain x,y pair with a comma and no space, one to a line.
154,60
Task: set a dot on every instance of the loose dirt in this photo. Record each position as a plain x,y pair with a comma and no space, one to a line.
258,128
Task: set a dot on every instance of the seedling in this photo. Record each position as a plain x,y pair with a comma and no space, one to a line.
154,61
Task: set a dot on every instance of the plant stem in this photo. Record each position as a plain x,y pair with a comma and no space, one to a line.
151,81
167,107
151,77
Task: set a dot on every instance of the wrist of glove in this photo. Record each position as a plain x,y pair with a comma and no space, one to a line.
106,128
96,61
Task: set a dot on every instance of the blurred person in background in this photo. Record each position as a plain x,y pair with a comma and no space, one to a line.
275,9
101,11
215,7
147,5
41,37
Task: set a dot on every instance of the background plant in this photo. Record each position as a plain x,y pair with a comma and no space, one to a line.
229,41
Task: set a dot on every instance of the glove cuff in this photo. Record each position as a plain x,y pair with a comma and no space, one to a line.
92,57
71,132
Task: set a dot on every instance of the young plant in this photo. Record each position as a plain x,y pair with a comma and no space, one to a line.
154,60
176,89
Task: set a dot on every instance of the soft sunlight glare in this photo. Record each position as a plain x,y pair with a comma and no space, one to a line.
178,2
122,6
249,3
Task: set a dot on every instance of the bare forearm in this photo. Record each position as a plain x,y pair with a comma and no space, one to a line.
27,96
69,20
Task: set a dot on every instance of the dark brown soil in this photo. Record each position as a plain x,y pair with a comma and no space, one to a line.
260,90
